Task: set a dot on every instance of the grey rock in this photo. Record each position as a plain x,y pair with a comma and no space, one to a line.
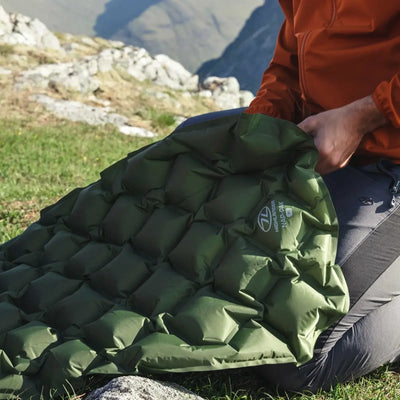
225,92
78,76
216,84
69,47
226,100
192,83
205,93
105,61
5,22
76,111
176,73
19,29
245,98
136,131
81,75
139,388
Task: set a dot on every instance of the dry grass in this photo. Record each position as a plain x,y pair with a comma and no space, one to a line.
125,95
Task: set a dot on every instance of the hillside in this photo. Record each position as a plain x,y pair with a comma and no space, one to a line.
190,32
248,56
116,96
72,16
98,81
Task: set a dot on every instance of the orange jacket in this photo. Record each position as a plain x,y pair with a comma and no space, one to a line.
330,53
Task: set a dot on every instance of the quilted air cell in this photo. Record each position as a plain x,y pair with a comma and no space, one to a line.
161,233
28,343
122,275
115,227
117,329
190,183
162,292
199,251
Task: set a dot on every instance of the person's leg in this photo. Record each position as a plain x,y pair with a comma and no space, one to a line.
369,255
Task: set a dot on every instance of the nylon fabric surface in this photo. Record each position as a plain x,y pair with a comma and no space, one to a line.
213,248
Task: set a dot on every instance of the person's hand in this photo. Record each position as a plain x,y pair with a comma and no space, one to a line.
338,132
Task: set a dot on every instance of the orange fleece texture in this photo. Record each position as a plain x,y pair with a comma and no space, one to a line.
330,53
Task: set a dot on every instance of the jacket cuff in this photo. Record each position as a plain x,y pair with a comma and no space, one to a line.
387,98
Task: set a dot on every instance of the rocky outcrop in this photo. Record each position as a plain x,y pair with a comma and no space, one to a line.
77,111
19,29
83,75
226,92
161,70
139,388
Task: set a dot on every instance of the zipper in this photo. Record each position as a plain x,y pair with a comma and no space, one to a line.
302,68
334,12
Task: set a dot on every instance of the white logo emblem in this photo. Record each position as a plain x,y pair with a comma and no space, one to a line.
265,219
289,212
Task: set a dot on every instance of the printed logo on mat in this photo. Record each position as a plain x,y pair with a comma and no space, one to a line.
265,219
275,216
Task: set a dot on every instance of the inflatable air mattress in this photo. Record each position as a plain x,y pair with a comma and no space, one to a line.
213,248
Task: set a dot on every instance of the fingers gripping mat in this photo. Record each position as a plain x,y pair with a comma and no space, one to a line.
213,248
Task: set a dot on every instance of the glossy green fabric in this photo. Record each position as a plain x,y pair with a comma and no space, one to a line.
213,248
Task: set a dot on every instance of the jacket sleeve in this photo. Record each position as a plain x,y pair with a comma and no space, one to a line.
279,93
387,99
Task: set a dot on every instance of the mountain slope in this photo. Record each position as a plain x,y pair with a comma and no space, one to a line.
73,16
247,57
190,32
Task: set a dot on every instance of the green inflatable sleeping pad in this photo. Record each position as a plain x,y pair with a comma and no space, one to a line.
212,248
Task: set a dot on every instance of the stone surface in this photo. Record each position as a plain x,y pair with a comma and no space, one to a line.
225,92
136,131
76,111
81,75
139,388
19,29
5,22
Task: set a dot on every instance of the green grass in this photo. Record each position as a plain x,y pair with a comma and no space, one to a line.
40,165
160,120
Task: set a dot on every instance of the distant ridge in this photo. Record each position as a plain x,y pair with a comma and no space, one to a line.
247,57
189,31
118,14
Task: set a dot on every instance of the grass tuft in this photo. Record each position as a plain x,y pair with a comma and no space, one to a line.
6,50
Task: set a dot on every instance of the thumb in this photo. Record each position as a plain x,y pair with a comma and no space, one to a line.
307,125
